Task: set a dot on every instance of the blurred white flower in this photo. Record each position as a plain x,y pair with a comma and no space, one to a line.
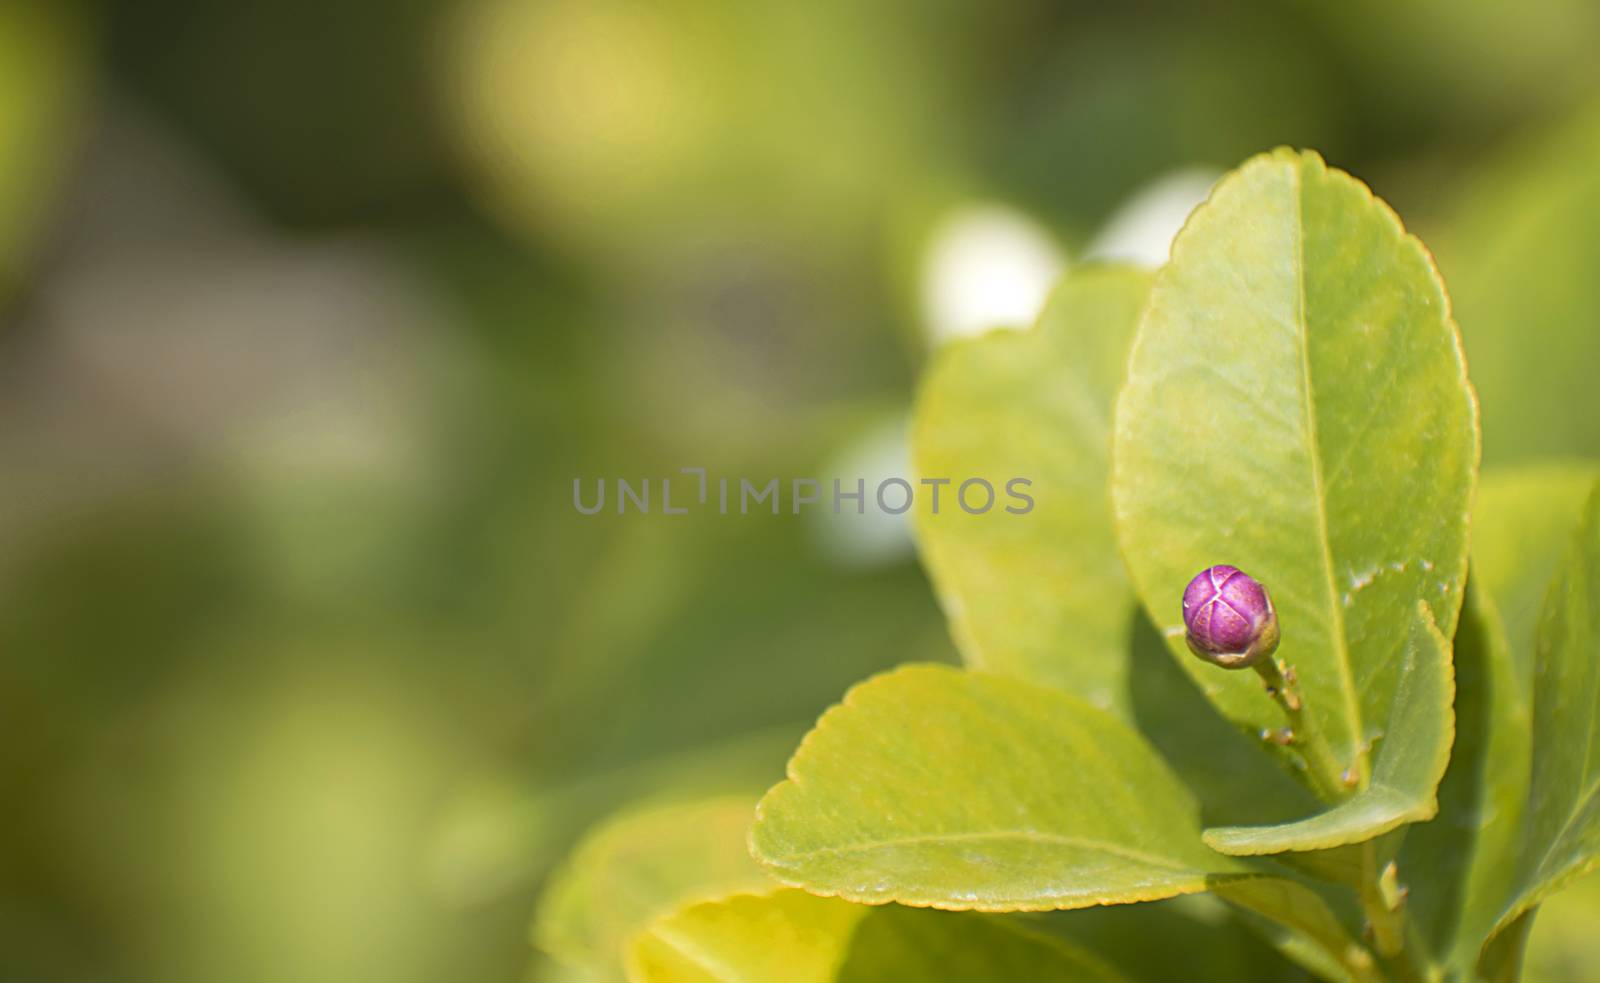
870,537
987,266
1141,231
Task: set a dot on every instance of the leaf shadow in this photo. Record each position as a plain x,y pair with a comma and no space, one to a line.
1439,846
1234,778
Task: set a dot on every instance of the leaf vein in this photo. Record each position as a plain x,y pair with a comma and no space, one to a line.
1027,835
1302,324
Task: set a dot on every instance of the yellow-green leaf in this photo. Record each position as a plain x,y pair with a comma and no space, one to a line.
643,864
937,787
1039,595
748,938
1412,754
1297,406
1043,596
797,937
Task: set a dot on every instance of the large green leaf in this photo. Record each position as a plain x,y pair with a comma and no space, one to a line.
638,866
1412,754
785,934
1043,596
1562,830
1297,405
1040,595
936,787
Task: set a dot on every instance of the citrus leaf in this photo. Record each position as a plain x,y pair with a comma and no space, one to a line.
936,787
801,938
1562,829
1302,926
637,866
1466,856
1297,406
787,934
1412,756
1040,595
1043,596
1503,955
1233,781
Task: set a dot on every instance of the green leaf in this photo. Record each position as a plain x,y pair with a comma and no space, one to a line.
935,787
897,943
1302,926
800,938
1465,858
1522,525
1233,781
786,934
1521,254
1412,754
1503,955
1297,405
1043,596
638,866
1562,832
1040,595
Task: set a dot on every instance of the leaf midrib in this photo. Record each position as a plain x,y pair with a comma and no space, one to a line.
1025,835
1347,682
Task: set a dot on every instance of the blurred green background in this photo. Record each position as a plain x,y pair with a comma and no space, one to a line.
311,313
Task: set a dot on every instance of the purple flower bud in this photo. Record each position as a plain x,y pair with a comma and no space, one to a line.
1229,618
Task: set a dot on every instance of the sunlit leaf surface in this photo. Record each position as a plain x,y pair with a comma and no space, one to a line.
931,786
1412,754
1297,405
783,935
1040,595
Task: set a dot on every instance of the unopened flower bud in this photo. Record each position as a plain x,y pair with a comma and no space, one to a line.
1229,618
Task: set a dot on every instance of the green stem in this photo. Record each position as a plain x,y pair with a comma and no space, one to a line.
1328,775
1383,902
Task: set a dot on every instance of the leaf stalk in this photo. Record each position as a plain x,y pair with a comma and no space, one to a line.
1331,779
